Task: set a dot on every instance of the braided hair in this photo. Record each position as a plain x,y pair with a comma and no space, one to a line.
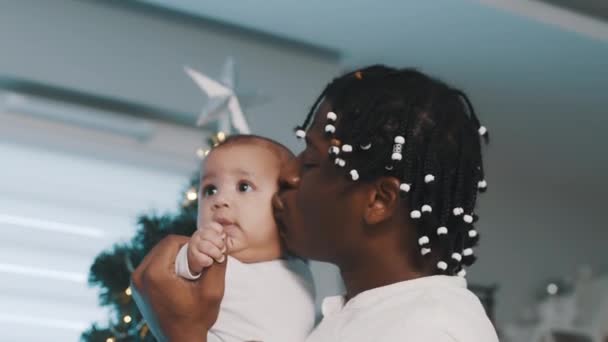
405,124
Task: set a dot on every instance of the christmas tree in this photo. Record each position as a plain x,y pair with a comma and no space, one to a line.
111,270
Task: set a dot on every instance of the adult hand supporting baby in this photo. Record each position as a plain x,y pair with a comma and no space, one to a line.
176,309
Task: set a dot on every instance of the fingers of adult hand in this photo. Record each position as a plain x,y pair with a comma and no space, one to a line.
212,285
158,260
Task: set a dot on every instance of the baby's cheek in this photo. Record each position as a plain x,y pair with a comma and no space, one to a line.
203,216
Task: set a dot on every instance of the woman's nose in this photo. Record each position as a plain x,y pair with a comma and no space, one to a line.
289,177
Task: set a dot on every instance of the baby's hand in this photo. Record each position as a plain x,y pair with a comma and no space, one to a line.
207,244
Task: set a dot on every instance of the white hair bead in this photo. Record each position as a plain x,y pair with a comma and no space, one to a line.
468,218
415,214
425,251
340,162
429,178
482,184
334,150
483,130
366,147
330,128
462,273
332,116
472,233
467,252
396,156
405,187
427,208
442,265
388,167
399,140
300,134
458,211
442,230
423,240
457,256
354,174
347,148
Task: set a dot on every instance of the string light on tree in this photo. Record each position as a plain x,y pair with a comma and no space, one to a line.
218,138
191,195
127,319
221,136
110,339
200,153
552,289
128,291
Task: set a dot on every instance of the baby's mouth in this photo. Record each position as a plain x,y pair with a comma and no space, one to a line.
224,221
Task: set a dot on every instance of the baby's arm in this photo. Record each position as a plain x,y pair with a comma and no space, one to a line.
205,246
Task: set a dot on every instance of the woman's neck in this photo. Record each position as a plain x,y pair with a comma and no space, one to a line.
376,270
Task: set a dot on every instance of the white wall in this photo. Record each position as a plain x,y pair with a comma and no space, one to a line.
543,216
57,212
107,49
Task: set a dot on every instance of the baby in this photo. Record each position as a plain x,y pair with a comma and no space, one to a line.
267,296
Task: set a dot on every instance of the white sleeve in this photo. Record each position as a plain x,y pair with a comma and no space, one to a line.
418,335
181,264
211,337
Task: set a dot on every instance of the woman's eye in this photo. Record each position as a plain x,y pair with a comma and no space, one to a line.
245,187
308,162
209,190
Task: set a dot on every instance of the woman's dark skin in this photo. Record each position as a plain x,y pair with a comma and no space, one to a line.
176,309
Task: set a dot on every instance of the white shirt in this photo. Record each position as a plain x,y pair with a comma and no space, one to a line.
270,301
429,309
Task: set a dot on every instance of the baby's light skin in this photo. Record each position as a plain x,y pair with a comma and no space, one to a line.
235,210
206,246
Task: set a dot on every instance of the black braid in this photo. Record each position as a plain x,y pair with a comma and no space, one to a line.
441,131
312,110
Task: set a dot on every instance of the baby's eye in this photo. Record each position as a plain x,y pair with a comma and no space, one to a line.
209,190
244,187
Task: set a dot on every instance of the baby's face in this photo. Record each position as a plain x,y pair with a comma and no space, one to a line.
237,184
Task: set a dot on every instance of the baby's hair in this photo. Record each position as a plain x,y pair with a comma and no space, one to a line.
405,124
279,150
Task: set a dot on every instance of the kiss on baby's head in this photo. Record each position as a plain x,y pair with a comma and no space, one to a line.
238,180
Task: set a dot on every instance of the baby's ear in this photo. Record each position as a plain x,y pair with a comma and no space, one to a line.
383,200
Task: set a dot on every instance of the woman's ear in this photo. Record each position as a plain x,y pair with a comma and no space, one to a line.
383,200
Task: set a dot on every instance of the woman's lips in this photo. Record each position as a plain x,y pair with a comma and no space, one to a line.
277,203
278,208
